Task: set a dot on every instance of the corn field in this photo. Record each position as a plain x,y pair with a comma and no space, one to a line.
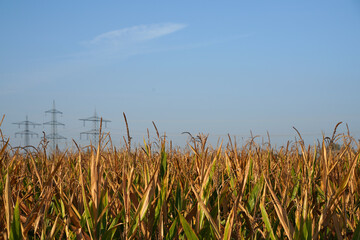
156,191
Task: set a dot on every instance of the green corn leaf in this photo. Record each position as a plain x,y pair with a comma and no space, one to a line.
178,200
15,232
160,202
109,234
308,223
254,195
173,229
356,235
87,213
102,212
189,232
230,174
163,166
295,191
267,221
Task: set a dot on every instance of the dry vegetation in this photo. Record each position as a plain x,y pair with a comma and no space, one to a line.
156,192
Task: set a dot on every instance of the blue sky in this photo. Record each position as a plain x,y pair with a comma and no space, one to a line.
215,67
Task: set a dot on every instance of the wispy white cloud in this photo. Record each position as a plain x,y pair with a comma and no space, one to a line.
134,34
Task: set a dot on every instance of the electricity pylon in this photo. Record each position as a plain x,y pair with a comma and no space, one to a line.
54,136
27,133
95,119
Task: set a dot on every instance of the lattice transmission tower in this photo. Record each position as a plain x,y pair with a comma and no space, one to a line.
54,136
27,133
95,119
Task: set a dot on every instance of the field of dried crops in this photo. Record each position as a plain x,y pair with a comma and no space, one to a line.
158,192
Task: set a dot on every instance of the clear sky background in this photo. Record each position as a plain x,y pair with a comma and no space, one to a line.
215,67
